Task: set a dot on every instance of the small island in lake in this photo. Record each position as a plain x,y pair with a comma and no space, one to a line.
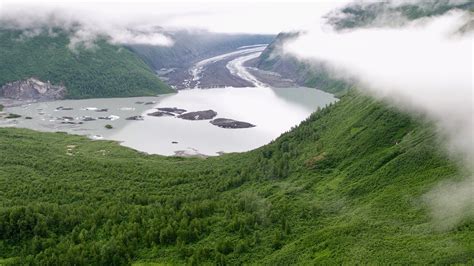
230,123
199,115
172,110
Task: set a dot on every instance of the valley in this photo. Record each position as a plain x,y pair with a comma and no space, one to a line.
214,73
79,196
242,97
315,133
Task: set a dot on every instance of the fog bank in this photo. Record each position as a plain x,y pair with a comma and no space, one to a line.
423,67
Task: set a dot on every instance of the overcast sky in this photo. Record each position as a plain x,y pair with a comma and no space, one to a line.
217,16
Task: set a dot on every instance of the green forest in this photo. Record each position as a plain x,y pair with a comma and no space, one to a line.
103,70
344,187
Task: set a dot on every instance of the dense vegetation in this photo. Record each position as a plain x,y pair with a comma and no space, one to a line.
344,187
103,71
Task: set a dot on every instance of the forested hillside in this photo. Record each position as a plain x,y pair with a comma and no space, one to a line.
102,71
345,187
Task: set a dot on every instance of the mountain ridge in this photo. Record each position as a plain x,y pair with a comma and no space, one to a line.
104,70
353,16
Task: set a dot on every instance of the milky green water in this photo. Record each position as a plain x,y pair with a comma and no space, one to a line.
272,110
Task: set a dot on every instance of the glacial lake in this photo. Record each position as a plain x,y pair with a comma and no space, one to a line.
273,111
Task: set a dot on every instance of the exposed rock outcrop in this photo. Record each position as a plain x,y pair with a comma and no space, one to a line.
32,89
230,123
172,110
199,115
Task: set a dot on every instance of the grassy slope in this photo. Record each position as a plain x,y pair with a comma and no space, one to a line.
352,192
107,71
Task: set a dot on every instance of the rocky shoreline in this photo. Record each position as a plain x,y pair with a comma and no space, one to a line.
32,89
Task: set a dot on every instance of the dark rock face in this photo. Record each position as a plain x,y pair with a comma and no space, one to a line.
135,117
32,89
172,110
199,115
102,110
230,123
160,113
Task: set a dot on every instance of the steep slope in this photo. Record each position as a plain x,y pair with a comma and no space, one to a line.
346,186
352,16
391,13
103,71
311,74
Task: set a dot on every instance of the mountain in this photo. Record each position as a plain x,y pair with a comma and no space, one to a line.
391,13
173,63
304,73
354,15
104,70
192,46
344,187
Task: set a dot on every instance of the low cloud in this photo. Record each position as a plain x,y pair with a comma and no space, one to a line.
133,22
84,29
86,37
424,67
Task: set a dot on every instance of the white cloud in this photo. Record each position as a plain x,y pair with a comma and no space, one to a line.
216,16
424,67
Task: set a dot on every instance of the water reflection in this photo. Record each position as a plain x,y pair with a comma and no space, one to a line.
273,111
